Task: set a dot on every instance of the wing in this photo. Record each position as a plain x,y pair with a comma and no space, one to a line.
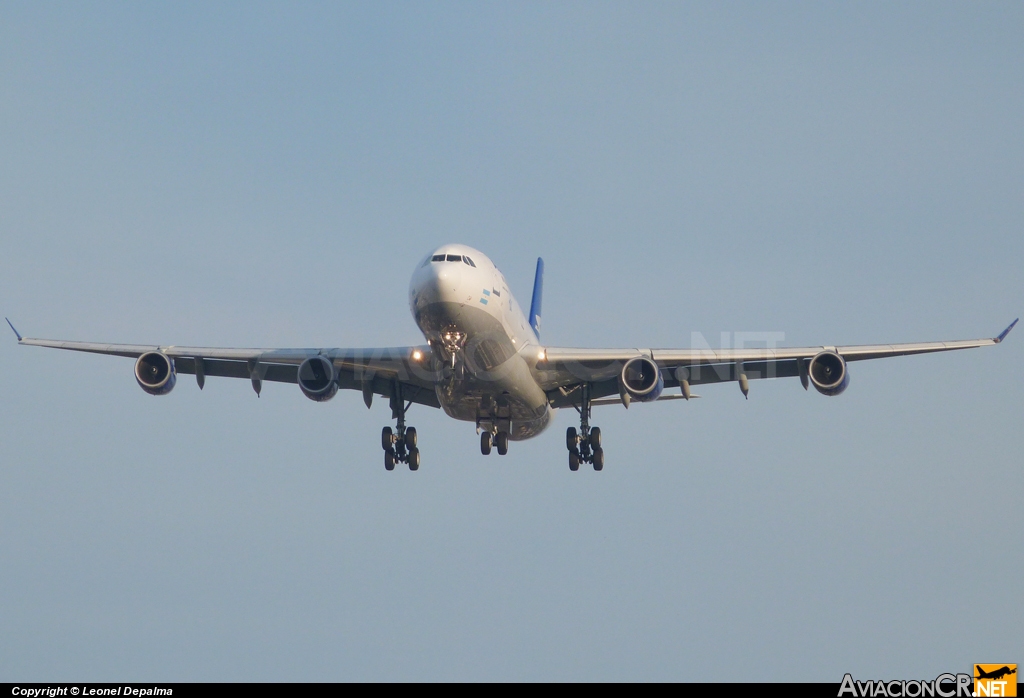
563,369
371,371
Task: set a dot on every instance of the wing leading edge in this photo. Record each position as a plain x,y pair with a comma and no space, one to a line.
565,368
378,370
372,371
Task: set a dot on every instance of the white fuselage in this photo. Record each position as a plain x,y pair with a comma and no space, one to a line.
483,347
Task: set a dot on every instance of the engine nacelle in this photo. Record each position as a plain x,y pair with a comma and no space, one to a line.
828,373
316,379
155,373
641,380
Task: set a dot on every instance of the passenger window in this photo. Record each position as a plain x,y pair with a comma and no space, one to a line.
454,258
468,261
437,258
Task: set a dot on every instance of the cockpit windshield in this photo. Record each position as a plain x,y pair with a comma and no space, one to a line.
451,258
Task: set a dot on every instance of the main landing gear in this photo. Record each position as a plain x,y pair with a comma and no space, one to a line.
499,440
400,447
585,446
493,423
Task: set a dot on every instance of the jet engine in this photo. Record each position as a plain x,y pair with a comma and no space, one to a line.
316,378
641,380
828,373
155,373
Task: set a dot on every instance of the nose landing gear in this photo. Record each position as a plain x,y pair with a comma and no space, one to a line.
400,447
585,446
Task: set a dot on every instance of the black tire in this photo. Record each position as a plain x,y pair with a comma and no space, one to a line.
502,442
389,460
595,438
387,438
571,439
574,461
414,459
598,459
485,443
411,439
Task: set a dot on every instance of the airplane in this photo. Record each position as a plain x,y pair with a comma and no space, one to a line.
995,675
483,362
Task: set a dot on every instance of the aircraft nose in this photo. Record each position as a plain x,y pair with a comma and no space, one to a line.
440,284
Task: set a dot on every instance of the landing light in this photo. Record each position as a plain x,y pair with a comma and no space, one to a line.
417,354
540,355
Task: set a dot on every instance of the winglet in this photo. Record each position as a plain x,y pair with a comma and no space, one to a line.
1001,337
19,336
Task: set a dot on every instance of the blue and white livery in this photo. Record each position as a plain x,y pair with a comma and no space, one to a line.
483,362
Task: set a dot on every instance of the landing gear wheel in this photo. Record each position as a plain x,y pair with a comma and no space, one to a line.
389,460
598,459
387,437
501,441
571,439
410,438
485,443
414,459
595,438
574,461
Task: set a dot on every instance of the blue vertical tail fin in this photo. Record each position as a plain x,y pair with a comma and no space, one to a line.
538,289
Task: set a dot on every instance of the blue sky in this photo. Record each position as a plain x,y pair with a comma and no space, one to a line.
269,174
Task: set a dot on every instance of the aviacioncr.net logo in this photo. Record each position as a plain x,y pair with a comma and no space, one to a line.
943,686
995,680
